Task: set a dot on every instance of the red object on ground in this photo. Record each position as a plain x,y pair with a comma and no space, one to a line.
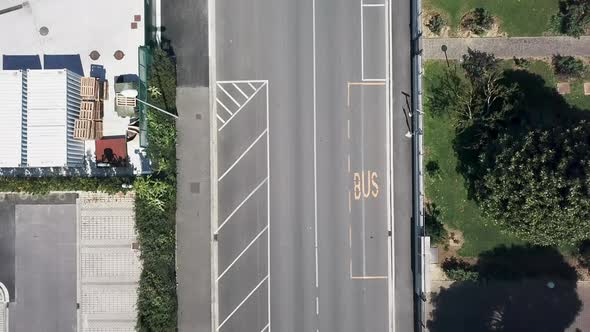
137,18
133,25
111,151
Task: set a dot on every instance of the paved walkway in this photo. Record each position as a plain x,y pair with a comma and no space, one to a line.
502,47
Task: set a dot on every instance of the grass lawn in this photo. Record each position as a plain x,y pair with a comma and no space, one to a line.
517,17
576,97
446,189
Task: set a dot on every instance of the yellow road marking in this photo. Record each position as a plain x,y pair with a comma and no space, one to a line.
368,277
359,84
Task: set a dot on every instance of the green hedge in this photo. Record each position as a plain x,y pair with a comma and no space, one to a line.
155,206
44,185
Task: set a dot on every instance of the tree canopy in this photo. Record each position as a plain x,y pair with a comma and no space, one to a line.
523,151
539,188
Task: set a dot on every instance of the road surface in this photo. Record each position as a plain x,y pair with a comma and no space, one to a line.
313,166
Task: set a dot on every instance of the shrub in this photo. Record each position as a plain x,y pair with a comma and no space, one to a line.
521,62
459,270
436,23
477,21
434,227
44,185
573,17
567,65
155,206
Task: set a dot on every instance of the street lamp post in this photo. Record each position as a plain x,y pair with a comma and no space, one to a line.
444,49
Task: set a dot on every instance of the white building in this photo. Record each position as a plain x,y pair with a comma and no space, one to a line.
11,118
41,131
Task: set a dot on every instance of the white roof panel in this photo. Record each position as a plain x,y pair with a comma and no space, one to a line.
10,117
46,118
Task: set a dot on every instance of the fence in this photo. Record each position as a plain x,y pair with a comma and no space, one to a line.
145,61
420,243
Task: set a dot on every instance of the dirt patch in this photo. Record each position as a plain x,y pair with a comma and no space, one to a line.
445,30
451,248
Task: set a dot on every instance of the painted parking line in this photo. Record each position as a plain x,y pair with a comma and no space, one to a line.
373,9
233,97
241,204
263,134
254,87
243,301
242,253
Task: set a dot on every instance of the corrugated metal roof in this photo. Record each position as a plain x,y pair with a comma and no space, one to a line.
46,118
11,108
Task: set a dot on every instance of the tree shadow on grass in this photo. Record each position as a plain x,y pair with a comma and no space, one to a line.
512,294
535,106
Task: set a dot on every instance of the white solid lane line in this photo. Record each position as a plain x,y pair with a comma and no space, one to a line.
265,328
315,166
242,155
241,303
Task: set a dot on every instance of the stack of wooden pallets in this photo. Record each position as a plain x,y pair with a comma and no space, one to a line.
88,126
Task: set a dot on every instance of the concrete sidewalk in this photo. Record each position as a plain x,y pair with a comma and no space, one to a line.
522,47
185,26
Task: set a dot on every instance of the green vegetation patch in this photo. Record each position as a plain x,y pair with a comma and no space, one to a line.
446,188
155,206
516,17
44,185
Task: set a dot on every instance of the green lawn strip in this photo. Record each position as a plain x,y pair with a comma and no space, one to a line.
517,17
446,189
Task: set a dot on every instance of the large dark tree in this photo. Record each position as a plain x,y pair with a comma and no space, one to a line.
539,187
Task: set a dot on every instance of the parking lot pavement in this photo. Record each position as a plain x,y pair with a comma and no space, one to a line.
242,231
38,256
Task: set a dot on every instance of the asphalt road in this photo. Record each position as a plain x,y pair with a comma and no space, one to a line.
267,263
309,249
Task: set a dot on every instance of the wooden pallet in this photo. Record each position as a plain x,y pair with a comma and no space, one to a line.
83,129
91,110
89,88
